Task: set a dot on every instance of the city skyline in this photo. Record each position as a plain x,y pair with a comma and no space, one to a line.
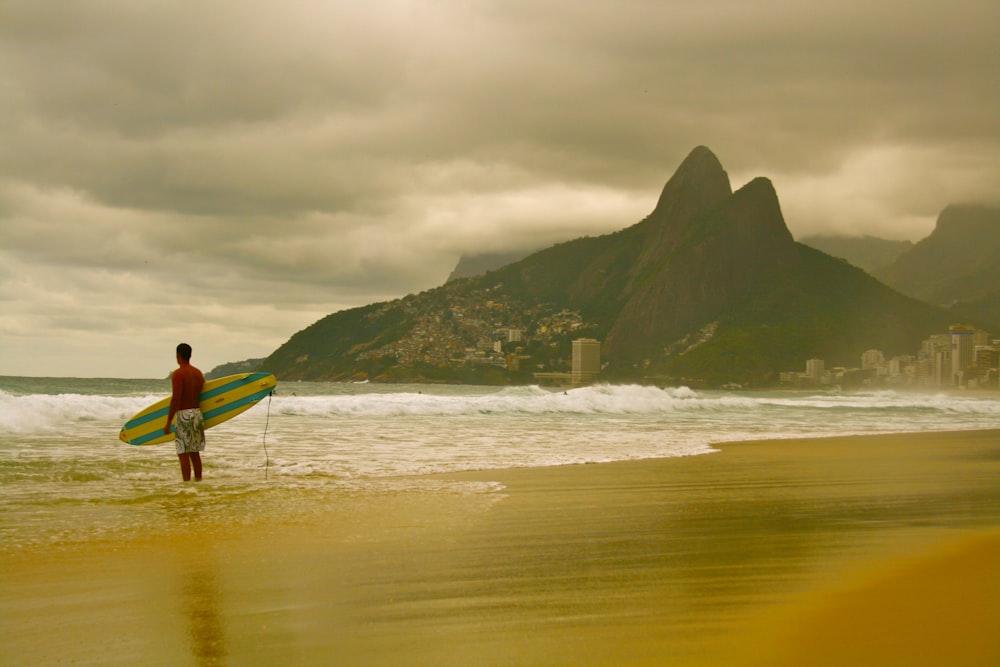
964,357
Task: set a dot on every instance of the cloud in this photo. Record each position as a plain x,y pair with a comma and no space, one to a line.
238,170
884,191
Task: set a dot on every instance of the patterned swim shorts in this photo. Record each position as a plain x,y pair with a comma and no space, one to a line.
189,431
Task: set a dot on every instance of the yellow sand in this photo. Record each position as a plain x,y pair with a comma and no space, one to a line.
936,608
857,551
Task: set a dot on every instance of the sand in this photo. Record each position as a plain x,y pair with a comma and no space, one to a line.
879,550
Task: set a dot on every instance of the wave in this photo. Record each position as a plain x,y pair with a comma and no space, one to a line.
41,413
603,399
891,400
618,399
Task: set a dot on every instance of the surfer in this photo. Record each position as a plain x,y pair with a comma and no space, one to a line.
187,382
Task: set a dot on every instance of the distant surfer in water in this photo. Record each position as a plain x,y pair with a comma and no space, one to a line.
187,382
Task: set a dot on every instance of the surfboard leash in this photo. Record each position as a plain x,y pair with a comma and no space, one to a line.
267,420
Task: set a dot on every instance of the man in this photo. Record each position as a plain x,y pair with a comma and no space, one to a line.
187,382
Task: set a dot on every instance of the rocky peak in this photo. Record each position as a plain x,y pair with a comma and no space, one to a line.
963,219
698,185
760,215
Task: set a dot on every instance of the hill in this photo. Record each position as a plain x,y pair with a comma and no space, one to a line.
233,368
477,265
957,265
866,252
709,287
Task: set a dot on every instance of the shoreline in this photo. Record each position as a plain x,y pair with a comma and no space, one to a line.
721,446
750,556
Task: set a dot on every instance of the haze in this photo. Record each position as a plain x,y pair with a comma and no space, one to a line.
226,173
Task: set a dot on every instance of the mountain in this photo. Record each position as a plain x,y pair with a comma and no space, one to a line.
233,368
476,265
957,265
709,287
866,252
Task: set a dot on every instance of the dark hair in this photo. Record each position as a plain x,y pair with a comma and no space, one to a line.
184,351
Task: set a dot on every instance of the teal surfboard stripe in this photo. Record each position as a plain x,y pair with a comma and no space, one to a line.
145,418
253,377
252,398
153,435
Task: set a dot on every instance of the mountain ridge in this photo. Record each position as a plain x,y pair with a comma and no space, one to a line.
957,265
477,264
870,253
710,285
964,244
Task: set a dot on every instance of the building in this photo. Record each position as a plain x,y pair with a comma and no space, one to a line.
789,377
964,341
586,360
987,357
873,363
935,361
814,370
962,351
965,357
987,365
872,360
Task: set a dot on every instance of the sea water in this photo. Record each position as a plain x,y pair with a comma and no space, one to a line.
65,475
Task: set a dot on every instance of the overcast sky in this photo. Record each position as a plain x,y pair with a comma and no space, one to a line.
226,173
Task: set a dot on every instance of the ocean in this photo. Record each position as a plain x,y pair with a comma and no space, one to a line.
65,476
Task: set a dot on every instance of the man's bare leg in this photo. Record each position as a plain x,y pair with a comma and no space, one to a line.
196,464
186,466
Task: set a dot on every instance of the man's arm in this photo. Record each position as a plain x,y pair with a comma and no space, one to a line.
175,392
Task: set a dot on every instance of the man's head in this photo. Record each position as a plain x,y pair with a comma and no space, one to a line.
184,352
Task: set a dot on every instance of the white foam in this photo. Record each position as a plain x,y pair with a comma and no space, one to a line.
46,413
378,430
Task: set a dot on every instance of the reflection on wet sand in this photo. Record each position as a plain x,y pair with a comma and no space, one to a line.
206,635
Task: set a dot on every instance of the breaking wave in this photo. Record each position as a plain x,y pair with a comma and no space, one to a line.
42,413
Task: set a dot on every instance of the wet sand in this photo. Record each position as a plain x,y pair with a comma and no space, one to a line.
879,550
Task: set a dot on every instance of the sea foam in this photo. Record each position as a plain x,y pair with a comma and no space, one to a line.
46,413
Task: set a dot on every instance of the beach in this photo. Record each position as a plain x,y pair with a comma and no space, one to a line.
878,550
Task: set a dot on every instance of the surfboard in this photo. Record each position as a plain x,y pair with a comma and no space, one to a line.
221,400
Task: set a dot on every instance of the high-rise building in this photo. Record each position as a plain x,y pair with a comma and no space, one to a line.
963,351
925,372
942,367
987,357
586,360
872,359
935,353
815,369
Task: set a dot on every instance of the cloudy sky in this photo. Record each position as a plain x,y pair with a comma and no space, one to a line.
226,173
